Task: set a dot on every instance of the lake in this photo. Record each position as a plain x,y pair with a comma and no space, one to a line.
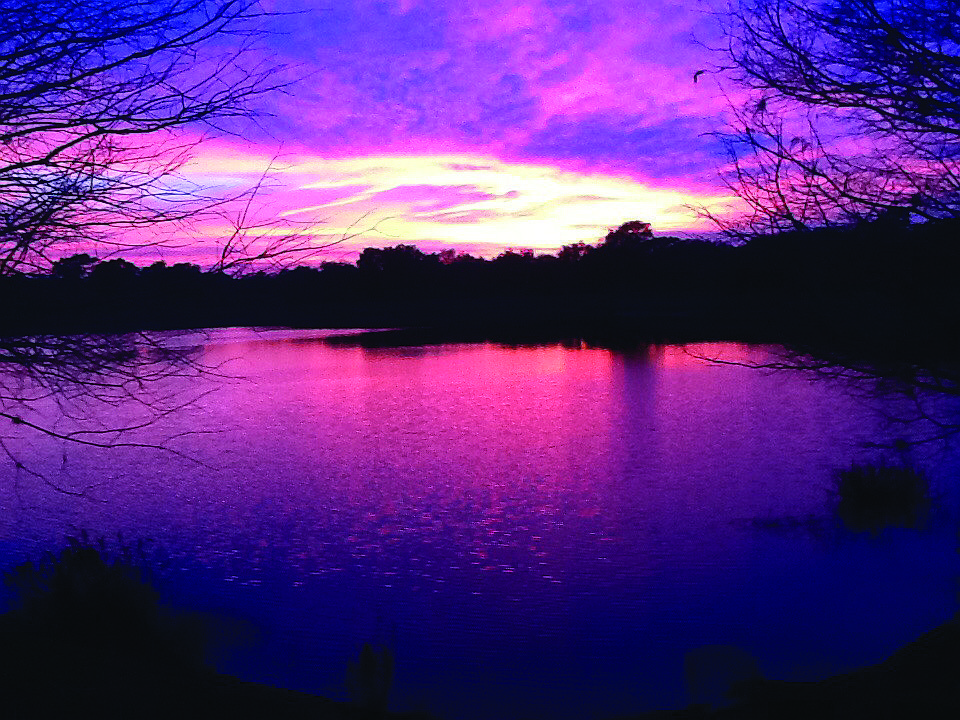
536,531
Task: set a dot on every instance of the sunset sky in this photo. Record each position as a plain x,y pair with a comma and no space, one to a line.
480,124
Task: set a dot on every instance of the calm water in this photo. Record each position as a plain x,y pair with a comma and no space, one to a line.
535,531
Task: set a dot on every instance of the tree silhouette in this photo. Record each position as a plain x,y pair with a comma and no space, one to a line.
853,112
74,267
629,235
92,96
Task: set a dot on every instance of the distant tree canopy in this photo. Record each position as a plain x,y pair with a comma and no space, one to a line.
114,293
629,234
627,272
75,267
854,111
398,259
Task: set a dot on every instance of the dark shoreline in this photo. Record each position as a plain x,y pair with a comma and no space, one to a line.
880,329
87,636
884,289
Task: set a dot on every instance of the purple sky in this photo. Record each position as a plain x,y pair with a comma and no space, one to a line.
481,124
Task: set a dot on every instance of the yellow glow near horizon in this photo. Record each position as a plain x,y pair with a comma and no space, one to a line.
472,202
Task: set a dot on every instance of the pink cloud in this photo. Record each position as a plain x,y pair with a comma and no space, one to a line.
476,124
456,200
489,76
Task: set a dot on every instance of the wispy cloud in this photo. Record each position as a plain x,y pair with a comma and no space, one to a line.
476,203
480,124
500,77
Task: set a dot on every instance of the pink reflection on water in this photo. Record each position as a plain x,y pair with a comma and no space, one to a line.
520,506
546,460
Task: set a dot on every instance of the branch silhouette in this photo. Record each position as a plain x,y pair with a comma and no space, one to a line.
853,113
95,103
922,386
54,386
94,98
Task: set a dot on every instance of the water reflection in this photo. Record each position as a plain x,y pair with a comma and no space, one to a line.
561,524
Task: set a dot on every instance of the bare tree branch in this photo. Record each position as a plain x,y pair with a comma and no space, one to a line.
54,386
927,391
854,116
92,99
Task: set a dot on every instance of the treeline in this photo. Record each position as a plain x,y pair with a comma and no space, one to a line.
882,274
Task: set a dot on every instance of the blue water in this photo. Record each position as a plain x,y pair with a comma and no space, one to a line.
534,531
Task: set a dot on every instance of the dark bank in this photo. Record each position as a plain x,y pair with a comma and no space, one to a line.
86,635
884,286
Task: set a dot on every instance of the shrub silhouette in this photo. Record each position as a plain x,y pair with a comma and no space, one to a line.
871,497
85,594
86,632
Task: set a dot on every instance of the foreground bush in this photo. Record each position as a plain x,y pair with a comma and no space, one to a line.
86,635
86,630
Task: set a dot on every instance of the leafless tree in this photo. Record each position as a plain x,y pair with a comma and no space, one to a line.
258,242
852,111
93,96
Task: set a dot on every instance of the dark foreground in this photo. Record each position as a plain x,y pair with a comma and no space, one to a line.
921,680
86,637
